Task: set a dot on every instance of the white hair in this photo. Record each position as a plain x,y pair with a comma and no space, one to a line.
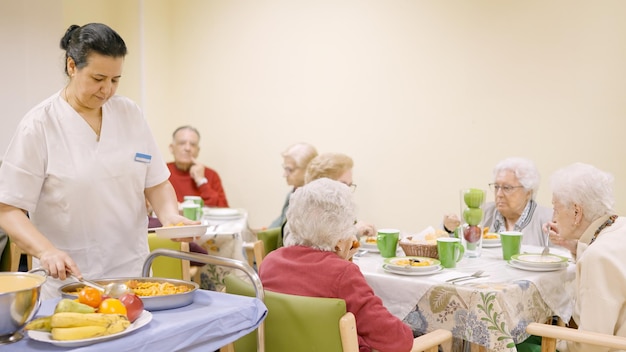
525,171
587,186
320,214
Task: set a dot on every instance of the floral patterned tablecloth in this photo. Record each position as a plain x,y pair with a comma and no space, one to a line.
224,238
492,311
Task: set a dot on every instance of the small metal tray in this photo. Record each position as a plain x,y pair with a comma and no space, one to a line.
151,303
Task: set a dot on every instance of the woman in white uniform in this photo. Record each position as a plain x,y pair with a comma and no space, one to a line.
81,164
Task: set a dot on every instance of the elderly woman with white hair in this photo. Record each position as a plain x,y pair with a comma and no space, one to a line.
295,160
582,196
515,185
315,262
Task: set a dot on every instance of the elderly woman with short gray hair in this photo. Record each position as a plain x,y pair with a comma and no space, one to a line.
315,262
583,199
515,185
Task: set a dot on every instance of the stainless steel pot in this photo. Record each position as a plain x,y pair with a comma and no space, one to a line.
20,298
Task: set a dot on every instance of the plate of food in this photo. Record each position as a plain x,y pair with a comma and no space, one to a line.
412,263
156,293
539,261
393,270
44,336
523,266
491,240
181,231
369,243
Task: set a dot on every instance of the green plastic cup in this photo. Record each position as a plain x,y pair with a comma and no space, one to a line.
450,251
387,242
511,243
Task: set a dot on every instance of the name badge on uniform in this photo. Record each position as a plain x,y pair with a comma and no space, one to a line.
143,158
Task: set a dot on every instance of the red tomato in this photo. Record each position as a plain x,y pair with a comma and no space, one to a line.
134,306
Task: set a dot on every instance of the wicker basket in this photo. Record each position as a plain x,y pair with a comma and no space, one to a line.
419,249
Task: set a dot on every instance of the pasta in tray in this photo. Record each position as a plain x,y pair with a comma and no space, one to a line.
148,288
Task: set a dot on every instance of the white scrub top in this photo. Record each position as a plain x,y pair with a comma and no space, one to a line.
86,196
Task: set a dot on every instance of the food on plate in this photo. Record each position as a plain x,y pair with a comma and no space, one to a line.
370,239
147,288
69,305
133,304
40,324
411,262
472,233
112,306
90,296
178,224
67,326
490,236
77,326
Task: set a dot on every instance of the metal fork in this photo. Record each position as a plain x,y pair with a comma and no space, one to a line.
475,275
546,249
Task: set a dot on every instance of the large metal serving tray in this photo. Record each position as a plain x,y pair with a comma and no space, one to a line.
151,303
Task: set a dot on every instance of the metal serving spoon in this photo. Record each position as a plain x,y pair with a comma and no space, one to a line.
114,290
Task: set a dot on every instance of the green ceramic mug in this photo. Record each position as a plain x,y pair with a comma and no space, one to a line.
450,251
387,242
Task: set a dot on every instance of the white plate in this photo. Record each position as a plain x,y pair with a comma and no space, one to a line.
521,266
181,231
537,260
389,269
371,247
394,263
221,212
492,244
44,336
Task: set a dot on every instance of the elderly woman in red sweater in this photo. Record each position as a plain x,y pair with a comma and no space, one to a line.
315,262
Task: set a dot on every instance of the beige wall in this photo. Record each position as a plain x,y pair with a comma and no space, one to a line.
426,96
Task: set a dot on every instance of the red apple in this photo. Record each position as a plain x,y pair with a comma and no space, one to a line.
472,233
133,304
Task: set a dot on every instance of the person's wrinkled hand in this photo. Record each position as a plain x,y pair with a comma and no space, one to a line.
58,263
365,229
451,222
559,240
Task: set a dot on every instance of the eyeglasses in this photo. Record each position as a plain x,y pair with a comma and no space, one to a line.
289,170
505,189
352,186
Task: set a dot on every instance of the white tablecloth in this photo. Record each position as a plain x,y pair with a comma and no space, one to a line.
508,298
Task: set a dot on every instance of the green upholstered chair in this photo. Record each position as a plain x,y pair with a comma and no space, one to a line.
271,239
298,323
167,267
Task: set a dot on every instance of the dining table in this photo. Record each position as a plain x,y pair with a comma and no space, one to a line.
211,321
490,312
